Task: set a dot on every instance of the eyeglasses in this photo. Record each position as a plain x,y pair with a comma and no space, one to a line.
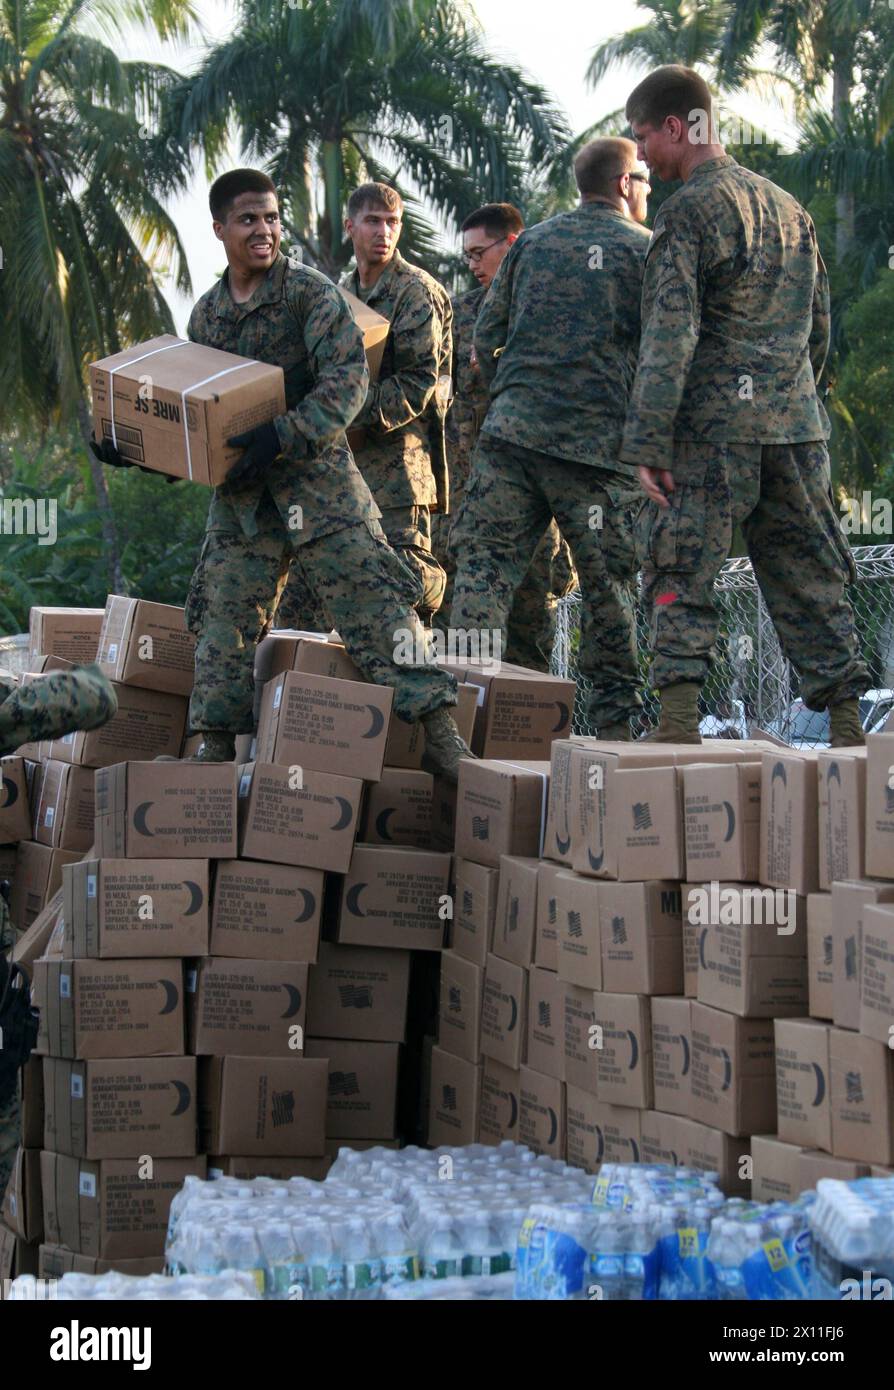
474,257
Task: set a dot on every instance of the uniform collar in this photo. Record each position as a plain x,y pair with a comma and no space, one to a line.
722,161
394,267
270,291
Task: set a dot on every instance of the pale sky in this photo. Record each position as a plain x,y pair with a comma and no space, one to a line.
551,41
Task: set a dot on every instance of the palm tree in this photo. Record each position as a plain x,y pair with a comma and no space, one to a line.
676,31
329,94
82,229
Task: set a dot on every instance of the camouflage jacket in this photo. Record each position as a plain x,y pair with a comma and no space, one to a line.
558,333
470,396
297,320
403,456
735,319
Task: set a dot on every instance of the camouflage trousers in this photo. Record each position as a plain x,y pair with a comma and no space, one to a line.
781,497
511,497
53,705
362,588
532,617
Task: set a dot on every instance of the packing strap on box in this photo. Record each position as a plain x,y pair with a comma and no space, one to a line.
543,798
206,381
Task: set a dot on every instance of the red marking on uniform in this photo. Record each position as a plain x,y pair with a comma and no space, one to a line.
667,598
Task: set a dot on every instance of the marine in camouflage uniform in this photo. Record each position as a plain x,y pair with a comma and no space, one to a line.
556,341
735,335
397,434
312,509
532,618
46,707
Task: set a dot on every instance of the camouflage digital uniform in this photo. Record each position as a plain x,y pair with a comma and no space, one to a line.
735,335
46,707
312,509
556,341
397,435
532,618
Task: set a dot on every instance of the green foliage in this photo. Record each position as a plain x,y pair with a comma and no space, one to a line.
865,391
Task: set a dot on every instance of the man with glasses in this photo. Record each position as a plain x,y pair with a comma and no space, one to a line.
556,341
487,235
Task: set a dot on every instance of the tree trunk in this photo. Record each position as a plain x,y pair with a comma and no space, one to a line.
842,82
114,576
331,161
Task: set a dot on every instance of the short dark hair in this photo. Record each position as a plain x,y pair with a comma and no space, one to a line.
669,91
226,189
376,195
497,219
598,163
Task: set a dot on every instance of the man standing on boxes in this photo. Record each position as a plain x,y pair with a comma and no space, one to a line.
296,494
487,235
47,707
556,341
398,435
725,423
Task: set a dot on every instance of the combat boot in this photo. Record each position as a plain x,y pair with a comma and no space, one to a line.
679,715
616,733
217,746
844,718
444,745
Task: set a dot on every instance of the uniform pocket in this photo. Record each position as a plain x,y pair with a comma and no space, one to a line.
696,529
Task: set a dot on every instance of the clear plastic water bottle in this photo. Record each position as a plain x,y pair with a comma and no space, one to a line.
606,1258
443,1253
363,1268
279,1247
640,1260
325,1266
399,1260
239,1246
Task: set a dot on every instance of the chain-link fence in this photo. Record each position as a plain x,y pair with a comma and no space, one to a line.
752,687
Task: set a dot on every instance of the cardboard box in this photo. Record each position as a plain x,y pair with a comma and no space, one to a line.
265,911
579,934
147,644
166,811
519,713
322,724
22,1203
820,955
624,1051
546,934
363,1079
359,992
33,943
143,907
849,902
500,809
197,398
790,821
8,854
64,806
649,807
38,878
248,1167
312,825
31,1106
816,1165
302,651
541,1113
842,814
504,1012
617,1131
459,1019
546,1023
246,1008
121,1107
691,934
672,1054
722,809
710,1150
584,1136
109,1008
397,809
375,329
395,897
776,1169
15,809
16,1257
733,1072
268,1106
148,724
111,1208
516,919
581,1039
406,742
752,949
453,1105
862,1097
443,815
55,1260
475,908
877,991
499,1103
70,633
557,837
642,937
802,1083
880,805
651,1147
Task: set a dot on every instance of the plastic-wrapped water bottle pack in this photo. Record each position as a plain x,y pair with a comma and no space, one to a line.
113,1287
853,1238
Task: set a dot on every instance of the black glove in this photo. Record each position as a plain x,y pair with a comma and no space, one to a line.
106,452
261,447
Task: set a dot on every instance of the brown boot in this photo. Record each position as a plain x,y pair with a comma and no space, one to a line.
844,718
445,747
679,715
217,747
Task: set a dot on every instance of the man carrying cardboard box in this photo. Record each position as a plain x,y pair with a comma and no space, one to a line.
295,496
